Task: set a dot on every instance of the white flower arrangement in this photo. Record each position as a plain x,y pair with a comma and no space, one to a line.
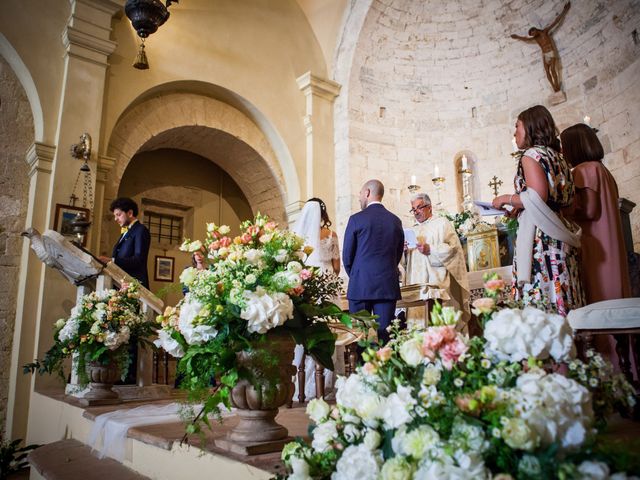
436,404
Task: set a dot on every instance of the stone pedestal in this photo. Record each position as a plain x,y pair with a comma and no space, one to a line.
556,98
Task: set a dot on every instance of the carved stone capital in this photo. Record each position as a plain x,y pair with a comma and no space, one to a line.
40,158
105,165
316,86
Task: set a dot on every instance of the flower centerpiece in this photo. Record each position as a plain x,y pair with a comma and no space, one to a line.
434,403
466,222
98,331
256,293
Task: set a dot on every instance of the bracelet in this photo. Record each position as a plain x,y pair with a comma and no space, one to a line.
511,199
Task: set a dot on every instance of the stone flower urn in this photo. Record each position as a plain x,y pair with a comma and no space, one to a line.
257,398
102,377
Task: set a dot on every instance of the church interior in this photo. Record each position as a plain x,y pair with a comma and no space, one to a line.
238,107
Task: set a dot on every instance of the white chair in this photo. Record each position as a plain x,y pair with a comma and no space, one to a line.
610,317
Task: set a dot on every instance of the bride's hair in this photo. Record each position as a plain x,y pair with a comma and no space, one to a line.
326,223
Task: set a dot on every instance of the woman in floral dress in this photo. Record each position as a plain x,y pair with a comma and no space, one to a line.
554,279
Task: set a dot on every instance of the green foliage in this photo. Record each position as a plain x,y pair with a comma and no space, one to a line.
13,457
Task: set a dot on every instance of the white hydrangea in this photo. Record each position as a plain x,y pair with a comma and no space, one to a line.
113,340
515,335
264,311
396,468
358,462
557,408
445,467
590,470
300,469
353,393
323,435
169,344
69,330
194,333
398,406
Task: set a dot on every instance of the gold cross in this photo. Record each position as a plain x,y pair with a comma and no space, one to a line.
495,184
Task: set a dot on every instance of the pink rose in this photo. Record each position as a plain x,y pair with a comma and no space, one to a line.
483,305
225,241
253,230
270,226
369,369
448,333
495,284
384,354
245,238
297,290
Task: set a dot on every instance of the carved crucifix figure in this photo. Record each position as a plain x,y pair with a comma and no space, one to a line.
550,55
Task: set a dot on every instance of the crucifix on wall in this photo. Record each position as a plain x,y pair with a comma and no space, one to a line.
495,183
550,56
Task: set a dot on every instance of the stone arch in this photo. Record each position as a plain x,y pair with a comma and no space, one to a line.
198,123
24,76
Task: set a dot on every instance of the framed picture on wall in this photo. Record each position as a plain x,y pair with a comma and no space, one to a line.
163,271
63,218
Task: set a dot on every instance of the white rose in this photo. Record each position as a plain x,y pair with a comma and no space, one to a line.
224,229
281,256
169,344
411,352
251,278
517,434
372,439
396,468
266,238
590,470
295,267
318,410
431,375
60,323
188,276
253,255
211,227
351,432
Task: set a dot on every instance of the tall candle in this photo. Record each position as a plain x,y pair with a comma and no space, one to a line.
587,119
464,162
413,179
436,171
514,144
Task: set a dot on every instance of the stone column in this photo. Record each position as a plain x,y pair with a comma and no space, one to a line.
44,295
318,120
104,167
40,159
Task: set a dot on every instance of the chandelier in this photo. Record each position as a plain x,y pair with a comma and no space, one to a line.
146,16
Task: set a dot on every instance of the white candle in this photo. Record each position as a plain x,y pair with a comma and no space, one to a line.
587,120
413,179
436,171
464,162
514,143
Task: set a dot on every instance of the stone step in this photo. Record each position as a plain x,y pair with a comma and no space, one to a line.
73,460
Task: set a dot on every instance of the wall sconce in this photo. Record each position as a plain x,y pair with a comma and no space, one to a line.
146,17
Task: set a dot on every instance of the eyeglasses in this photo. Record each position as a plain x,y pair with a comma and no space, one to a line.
418,208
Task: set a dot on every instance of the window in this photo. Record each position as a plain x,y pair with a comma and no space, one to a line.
163,228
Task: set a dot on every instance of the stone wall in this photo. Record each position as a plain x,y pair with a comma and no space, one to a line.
16,127
432,79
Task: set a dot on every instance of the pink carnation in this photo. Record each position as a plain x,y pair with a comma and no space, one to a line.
451,352
305,274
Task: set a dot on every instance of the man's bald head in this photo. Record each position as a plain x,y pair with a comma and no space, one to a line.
372,191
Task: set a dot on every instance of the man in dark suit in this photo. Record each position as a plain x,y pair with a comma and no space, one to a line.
132,248
373,247
130,253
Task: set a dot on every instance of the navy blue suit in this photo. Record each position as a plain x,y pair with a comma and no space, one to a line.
373,247
131,252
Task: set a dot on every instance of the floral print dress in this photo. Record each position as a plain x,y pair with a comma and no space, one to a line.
555,281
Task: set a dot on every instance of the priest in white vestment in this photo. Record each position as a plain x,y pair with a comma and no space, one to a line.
438,259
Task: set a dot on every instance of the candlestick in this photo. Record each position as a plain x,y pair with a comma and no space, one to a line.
438,182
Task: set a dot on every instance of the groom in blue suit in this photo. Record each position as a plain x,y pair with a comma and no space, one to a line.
132,248
373,247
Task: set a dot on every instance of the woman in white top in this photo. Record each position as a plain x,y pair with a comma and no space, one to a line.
314,226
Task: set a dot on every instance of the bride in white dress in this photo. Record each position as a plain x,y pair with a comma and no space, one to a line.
314,226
